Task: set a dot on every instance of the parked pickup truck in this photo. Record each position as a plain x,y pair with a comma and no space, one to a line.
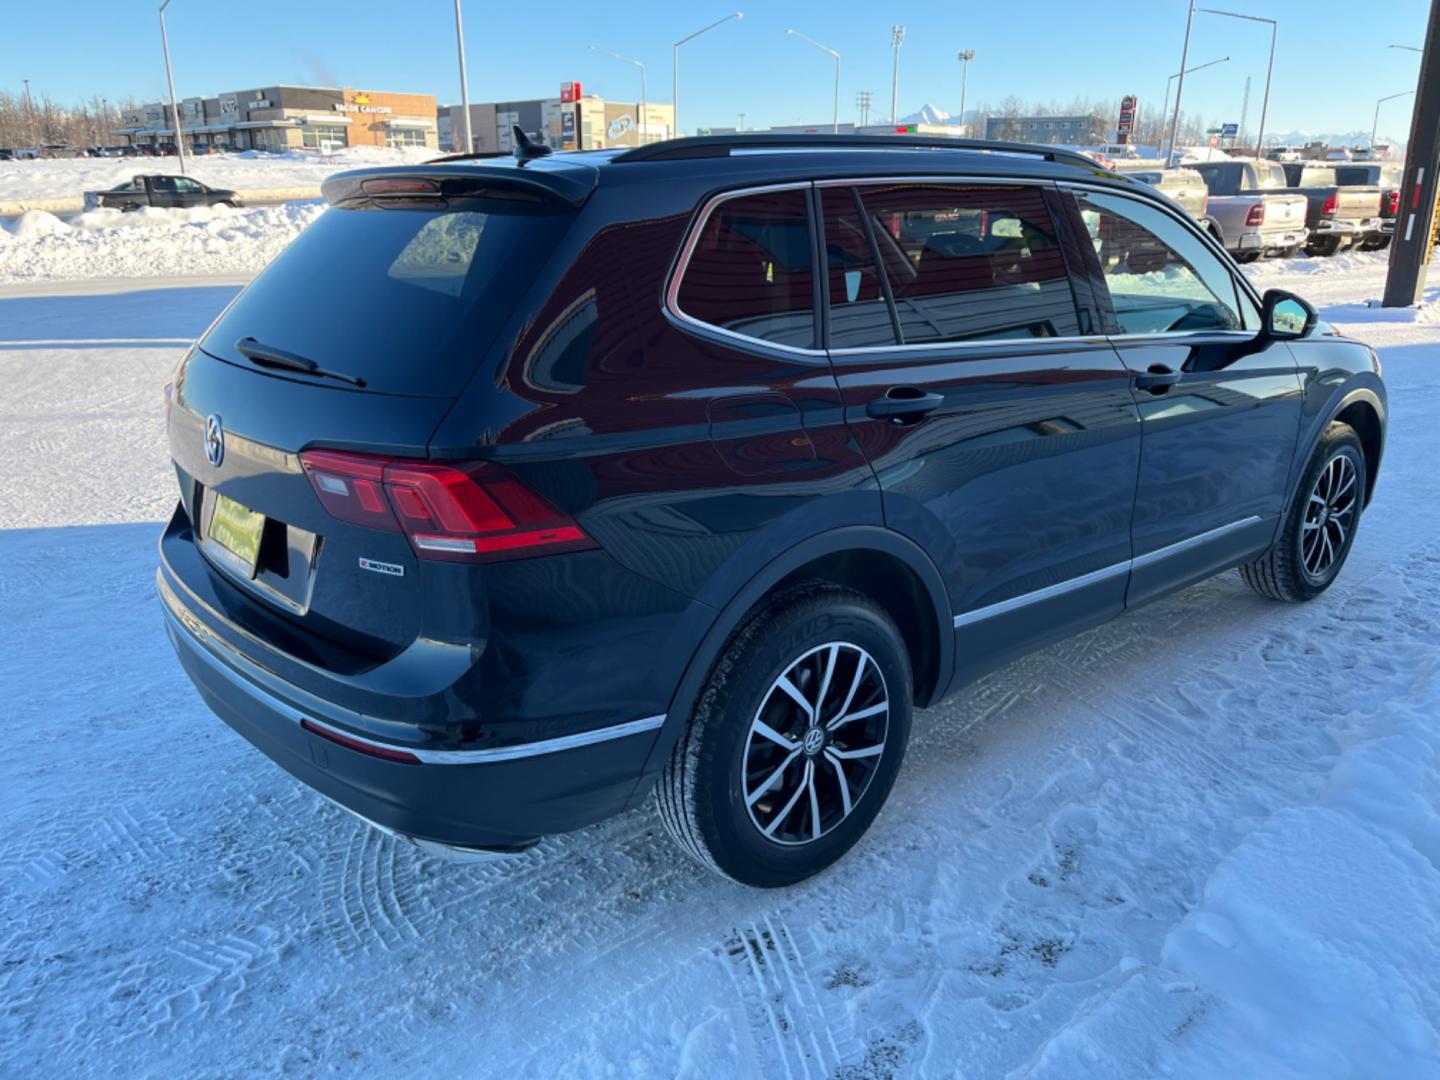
1387,177
1340,215
169,191
1254,213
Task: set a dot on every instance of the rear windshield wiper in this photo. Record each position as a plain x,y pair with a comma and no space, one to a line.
271,357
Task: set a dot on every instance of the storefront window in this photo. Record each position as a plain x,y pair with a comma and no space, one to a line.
323,136
407,137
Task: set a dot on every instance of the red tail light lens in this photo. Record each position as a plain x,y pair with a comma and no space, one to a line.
476,512
1392,203
1256,217
1332,203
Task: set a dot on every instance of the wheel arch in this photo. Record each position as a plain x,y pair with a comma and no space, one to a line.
1362,410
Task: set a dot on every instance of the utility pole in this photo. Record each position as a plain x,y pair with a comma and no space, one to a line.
897,35
30,118
1410,249
1180,90
464,85
964,56
170,78
1244,115
742,123
862,103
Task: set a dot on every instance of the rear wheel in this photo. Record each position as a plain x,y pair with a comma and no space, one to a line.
796,741
1320,525
1247,257
1323,246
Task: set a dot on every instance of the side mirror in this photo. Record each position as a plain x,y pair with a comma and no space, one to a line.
1285,316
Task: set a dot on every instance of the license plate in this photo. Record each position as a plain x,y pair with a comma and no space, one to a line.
235,530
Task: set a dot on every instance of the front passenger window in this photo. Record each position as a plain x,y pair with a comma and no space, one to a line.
1161,278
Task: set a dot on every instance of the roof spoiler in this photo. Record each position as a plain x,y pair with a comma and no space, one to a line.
707,146
540,179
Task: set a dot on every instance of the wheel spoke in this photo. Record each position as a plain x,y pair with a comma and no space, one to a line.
814,802
819,709
850,755
785,810
794,691
844,784
860,714
772,779
860,668
1339,532
762,728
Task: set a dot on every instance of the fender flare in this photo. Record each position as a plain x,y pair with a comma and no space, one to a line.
722,622
1311,435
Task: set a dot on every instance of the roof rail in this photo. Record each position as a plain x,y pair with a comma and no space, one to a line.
705,146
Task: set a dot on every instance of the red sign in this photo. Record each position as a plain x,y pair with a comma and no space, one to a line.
569,91
1128,105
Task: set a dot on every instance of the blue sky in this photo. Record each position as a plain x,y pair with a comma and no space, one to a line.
1037,50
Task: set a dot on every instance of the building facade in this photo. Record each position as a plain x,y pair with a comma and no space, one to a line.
288,118
569,121
1069,130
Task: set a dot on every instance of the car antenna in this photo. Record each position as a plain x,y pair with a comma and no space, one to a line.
525,150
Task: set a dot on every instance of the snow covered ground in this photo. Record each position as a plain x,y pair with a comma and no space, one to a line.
73,177
1203,840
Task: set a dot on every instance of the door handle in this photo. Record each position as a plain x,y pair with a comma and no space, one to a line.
1157,378
904,402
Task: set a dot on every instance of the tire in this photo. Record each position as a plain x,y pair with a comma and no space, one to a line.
1375,243
1247,257
724,794
1323,246
1292,569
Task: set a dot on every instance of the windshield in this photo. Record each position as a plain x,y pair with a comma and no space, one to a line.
408,299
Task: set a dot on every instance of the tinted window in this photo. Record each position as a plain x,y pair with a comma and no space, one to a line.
1161,277
859,312
750,270
408,299
1354,175
971,263
1313,178
1221,179
1268,175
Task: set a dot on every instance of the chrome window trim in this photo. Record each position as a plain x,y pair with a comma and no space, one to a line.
428,757
1185,221
942,180
1003,607
687,249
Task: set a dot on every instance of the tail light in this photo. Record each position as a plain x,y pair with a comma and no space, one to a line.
1332,203
1256,217
1391,202
475,512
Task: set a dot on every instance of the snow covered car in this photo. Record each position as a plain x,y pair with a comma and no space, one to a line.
163,191
693,468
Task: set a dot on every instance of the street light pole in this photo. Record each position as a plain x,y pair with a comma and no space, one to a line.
964,56
1375,127
1180,90
1269,71
1407,48
897,35
836,55
30,116
640,134
675,62
464,85
1165,112
170,78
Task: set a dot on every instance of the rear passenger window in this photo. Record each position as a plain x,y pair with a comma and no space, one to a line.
860,314
971,263
750,270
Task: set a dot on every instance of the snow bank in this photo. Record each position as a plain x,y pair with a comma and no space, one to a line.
149,242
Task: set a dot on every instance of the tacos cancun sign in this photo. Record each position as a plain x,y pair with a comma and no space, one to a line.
619,126
358,107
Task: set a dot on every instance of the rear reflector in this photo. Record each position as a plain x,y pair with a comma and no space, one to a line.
475,512
399,186
359,745
1332,204
1256,217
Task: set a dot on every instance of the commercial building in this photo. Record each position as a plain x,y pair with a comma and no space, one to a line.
288,118
572,120
1070,130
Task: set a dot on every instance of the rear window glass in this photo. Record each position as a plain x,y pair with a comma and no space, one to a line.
1314,178
407,299
1269,175
750,270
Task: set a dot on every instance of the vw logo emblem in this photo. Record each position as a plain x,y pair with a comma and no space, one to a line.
814,740
214,440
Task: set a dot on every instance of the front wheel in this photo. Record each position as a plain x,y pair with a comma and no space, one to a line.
796,741
1320,526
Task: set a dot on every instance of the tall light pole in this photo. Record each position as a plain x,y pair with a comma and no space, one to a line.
1165,112
964,56
640,134
30,116
897,35
170,78
836,55
1407,48
1269,70
675,62
1375,127
1180,90
464,84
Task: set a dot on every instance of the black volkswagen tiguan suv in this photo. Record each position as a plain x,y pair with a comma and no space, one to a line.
515,490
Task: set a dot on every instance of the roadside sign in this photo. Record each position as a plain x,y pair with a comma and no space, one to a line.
1230,130
1214,140
1126,125
569,91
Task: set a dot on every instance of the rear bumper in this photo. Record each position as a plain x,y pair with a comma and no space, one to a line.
1276,240
498,799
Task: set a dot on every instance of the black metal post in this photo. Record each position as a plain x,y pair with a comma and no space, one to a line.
1410,250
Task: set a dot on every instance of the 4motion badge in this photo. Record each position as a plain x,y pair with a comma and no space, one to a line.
375,565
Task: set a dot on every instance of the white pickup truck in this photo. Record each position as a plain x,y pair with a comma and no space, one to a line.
1252,213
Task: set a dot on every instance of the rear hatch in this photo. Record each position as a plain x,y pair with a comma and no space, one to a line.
357,339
